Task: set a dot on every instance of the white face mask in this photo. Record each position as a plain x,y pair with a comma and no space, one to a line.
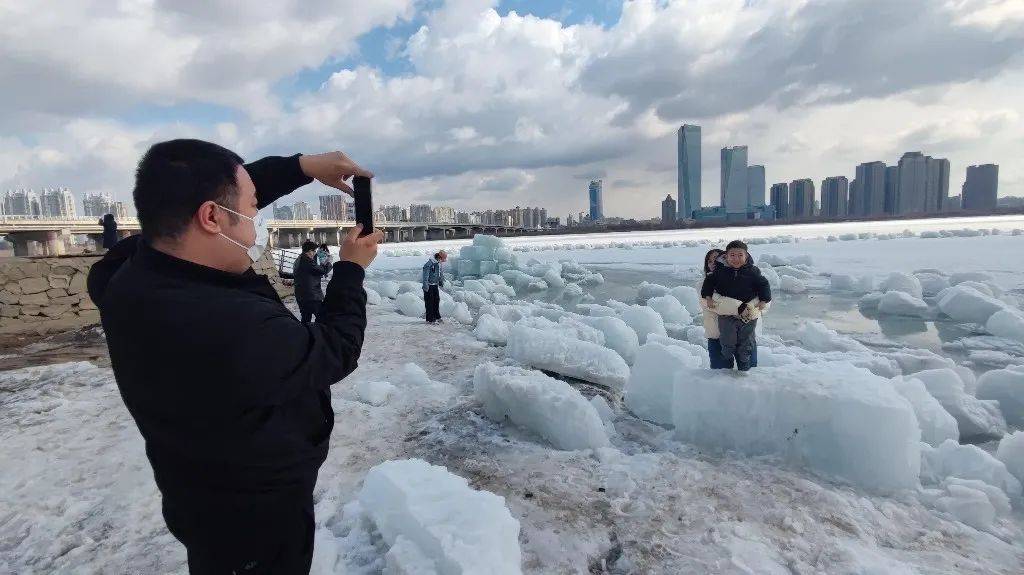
259,224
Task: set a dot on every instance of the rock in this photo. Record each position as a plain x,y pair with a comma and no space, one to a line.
59,281
14,272
31,285
30,311
7,298
90,315
77,284
10,311
66,300
13,287
86,303
54,311
64,271
34,299
35,269
56,292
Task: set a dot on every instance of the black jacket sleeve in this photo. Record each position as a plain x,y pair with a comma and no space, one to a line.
283,357
707,289
276,176
762,287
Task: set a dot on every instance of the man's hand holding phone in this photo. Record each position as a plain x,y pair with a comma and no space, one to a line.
360,250
332,169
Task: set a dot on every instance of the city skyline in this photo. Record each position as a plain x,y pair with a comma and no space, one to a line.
380,83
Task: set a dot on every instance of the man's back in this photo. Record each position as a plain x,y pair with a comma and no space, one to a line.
211,366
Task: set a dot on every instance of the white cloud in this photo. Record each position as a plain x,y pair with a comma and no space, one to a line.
500,110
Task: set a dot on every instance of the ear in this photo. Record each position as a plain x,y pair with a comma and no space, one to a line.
209,218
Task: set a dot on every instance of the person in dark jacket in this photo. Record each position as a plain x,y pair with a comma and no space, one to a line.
739,279
309,291
109,231
230,392
433,280
323,255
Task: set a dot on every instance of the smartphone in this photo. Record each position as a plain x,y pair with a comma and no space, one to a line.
363,197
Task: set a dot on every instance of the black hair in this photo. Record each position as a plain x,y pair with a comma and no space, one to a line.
108,218
175,177
711,251
323,246
308,245
736,244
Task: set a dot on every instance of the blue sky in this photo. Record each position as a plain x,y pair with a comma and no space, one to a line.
501,110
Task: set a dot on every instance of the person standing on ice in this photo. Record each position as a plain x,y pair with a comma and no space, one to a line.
230,392
309,291
723,306
433,281
740,280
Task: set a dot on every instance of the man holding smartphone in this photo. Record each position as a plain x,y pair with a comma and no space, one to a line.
229,390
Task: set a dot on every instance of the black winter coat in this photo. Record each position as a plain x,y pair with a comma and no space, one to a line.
308,275
229,390
742,283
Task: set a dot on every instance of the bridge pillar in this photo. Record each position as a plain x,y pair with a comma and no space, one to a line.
47,243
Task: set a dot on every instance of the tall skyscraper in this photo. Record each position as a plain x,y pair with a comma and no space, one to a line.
734,180
755,187
981,187
668,210
420,213
835,197
688,171
936,190
911,194
301,211
892,188
596,201
868,198
97,205
119,211
332,207
801,198
780,200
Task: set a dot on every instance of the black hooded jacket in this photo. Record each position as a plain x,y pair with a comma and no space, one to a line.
308,276
229,390
743,283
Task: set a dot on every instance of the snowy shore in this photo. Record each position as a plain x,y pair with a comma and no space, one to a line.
693,486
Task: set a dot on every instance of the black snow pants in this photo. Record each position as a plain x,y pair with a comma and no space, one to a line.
738,340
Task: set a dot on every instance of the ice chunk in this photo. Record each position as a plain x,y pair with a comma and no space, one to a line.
572,291
932,283
549,407
902,303
973,416
899,281
772,260
553,278
372,297
831,417
374,392
468,267
794,272
405,558
670,309
967,462
651,379
912,360
1008,323
604,411
617,335
1011,453
491,329
389,289
643,320
816,337
411,304
774,281
790,284
463,531
936,424
689,297
869,302
649,290
566,326
475,253
961,277
407,286
567,356
1007,387
968,502
966,304
595,309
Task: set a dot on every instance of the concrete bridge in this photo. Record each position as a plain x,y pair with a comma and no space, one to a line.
45,236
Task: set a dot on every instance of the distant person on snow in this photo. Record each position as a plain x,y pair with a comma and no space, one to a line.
309,292
737,278
433,281
323,255
230,392
109,231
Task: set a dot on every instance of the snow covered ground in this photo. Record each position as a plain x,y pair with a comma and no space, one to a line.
77,495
